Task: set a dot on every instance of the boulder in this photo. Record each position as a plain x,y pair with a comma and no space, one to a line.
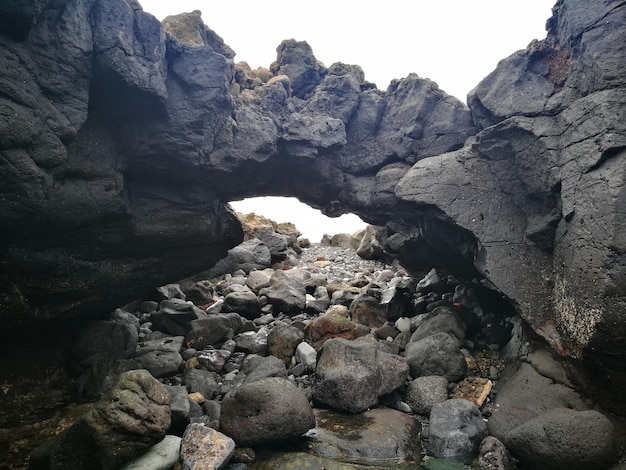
286,293
97,349
212,329
456,429
283,340
204,448
364,438
564,438
425,392
270,410
333,324
351,375
126,422
437,354
523,394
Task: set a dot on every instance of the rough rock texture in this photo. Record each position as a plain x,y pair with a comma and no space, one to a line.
351,375
131,418
564,438
266,411
120,138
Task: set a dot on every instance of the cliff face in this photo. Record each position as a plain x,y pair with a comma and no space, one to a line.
121,139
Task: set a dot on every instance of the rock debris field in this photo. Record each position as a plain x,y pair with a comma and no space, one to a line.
323,360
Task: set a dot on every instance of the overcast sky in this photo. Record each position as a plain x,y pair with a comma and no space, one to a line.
455,43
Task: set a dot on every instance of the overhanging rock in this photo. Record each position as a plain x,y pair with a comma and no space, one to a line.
121,139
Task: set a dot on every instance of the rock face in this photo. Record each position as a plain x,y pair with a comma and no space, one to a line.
134,416
121,138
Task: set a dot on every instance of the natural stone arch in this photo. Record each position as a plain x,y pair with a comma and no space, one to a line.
127,137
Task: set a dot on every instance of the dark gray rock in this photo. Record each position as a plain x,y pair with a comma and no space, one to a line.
283,340
351,376
564,438
202,381
296,60
441,320
493,455
436,354
425,392
266,411
252,342
179,409
286,293
243,302
260,367
523,394
116,126
174,316
212,329
368,311
97,349
456,429
161,363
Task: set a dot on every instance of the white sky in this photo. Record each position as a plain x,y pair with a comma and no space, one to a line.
455,43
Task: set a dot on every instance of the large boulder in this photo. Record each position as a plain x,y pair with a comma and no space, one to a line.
131,418
564,438
351,375
266,411
456,429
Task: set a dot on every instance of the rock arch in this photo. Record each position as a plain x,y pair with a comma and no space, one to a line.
121,139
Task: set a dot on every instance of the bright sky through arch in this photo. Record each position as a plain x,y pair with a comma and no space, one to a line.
455,43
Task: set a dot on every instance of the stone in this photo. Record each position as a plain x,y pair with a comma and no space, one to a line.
245,303
161,363
564,438
436,354
368,311
125,423
179,409
441,320
380,436
169,292
252,342
257,367
286,293
270,410
474,389
282,342
493,455
96,350
201,381
333,324
204,448
174,316
522,394
351,376
212,329
456,429
201,293
425,392
307,355
161,456
258,280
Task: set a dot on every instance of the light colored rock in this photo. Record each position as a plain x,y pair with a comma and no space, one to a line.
204,448
161,456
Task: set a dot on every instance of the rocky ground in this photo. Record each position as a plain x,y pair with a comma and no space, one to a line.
321,360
